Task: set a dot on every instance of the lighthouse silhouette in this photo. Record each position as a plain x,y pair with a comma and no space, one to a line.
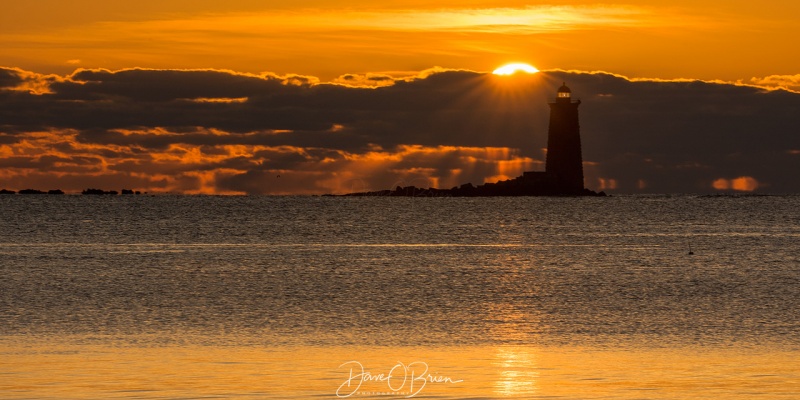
564,143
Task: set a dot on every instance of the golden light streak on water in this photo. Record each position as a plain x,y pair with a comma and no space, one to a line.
64,369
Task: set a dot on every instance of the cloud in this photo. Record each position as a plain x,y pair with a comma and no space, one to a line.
9,78
742,184
17,79
218,131
788,82
365,80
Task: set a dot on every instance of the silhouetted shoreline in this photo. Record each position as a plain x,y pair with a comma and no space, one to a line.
32,191
468,190
89,191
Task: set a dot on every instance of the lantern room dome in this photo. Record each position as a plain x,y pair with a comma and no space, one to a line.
564,93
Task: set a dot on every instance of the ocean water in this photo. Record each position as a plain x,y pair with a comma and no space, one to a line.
322,297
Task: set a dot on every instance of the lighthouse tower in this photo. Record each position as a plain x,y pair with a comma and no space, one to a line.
564,143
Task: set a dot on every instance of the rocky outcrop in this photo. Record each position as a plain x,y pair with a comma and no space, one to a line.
99,191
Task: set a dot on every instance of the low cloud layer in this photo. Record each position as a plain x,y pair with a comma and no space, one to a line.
213,131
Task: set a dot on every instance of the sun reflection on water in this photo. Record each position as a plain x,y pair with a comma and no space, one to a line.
517,372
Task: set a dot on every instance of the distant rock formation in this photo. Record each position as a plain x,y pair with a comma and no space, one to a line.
59,191
99,191
31,191
529,184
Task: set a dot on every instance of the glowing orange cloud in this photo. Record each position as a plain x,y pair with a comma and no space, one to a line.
742,184
745,184
787,82
721,184
58,159
607,184
425,166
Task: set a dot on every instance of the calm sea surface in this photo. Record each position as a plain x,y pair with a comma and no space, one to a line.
310,297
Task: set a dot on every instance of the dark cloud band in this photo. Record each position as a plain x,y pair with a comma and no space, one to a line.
232,132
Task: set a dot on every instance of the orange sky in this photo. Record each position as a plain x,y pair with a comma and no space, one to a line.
730,40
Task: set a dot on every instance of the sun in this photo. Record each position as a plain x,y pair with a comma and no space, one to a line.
513,68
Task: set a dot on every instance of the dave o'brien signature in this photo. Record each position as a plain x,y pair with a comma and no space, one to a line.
415,375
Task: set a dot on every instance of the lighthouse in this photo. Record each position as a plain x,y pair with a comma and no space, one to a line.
564,159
